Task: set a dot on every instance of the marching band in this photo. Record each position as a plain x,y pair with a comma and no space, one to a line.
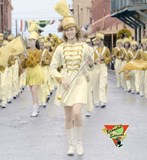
77,69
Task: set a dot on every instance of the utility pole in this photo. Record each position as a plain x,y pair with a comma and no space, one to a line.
78,16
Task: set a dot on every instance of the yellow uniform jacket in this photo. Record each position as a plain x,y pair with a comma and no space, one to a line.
72,57
103,54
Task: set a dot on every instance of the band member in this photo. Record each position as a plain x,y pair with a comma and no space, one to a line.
101,59
15,71
10,37
143,73
117,56
15,79
22,73
71,54
34,75
51,82
3,80
125,77
134,54
3,86
11,62
90,105
44,89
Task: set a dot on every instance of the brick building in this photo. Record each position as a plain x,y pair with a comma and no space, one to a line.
5,15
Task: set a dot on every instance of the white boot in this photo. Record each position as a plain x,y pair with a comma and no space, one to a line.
88,114
70,137
79,144
35,110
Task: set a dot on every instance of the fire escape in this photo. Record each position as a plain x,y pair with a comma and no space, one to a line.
131,12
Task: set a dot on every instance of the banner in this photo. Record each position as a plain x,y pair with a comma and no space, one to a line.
26,26
44,23
23,24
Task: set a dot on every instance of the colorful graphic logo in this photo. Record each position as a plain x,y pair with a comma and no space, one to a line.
116,133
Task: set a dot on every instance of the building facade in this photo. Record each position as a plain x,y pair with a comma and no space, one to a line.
97,15
103,22
5,16
133,13
82,11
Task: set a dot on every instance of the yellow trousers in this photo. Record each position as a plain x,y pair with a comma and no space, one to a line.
145,84
100,78
9,84
15,82
22,80
90,92
142,82
135,81
3,87
117,67
44,89
124,83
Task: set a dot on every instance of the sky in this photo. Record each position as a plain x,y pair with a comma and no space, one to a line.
35,10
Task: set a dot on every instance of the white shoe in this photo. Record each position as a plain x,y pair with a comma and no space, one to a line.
44,105
125,90
88,114
79,148
118,85
141,95
133,92
40,105
9,101
34,114
103,105
70,137
129,90
97,105
71,150
35,110
3,106
78,141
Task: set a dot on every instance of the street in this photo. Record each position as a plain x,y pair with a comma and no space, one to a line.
44,137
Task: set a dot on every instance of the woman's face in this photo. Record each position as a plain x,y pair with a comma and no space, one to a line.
31,42
41,45
126,44
144,46
134,47
98,41
119,44
70,33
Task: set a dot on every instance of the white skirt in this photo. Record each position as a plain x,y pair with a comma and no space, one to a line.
77,92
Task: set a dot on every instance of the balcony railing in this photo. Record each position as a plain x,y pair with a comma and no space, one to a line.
117,5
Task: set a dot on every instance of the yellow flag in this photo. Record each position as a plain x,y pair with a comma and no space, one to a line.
3,57
135,65
15,47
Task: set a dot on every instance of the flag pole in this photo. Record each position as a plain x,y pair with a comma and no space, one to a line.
16,27
22,28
